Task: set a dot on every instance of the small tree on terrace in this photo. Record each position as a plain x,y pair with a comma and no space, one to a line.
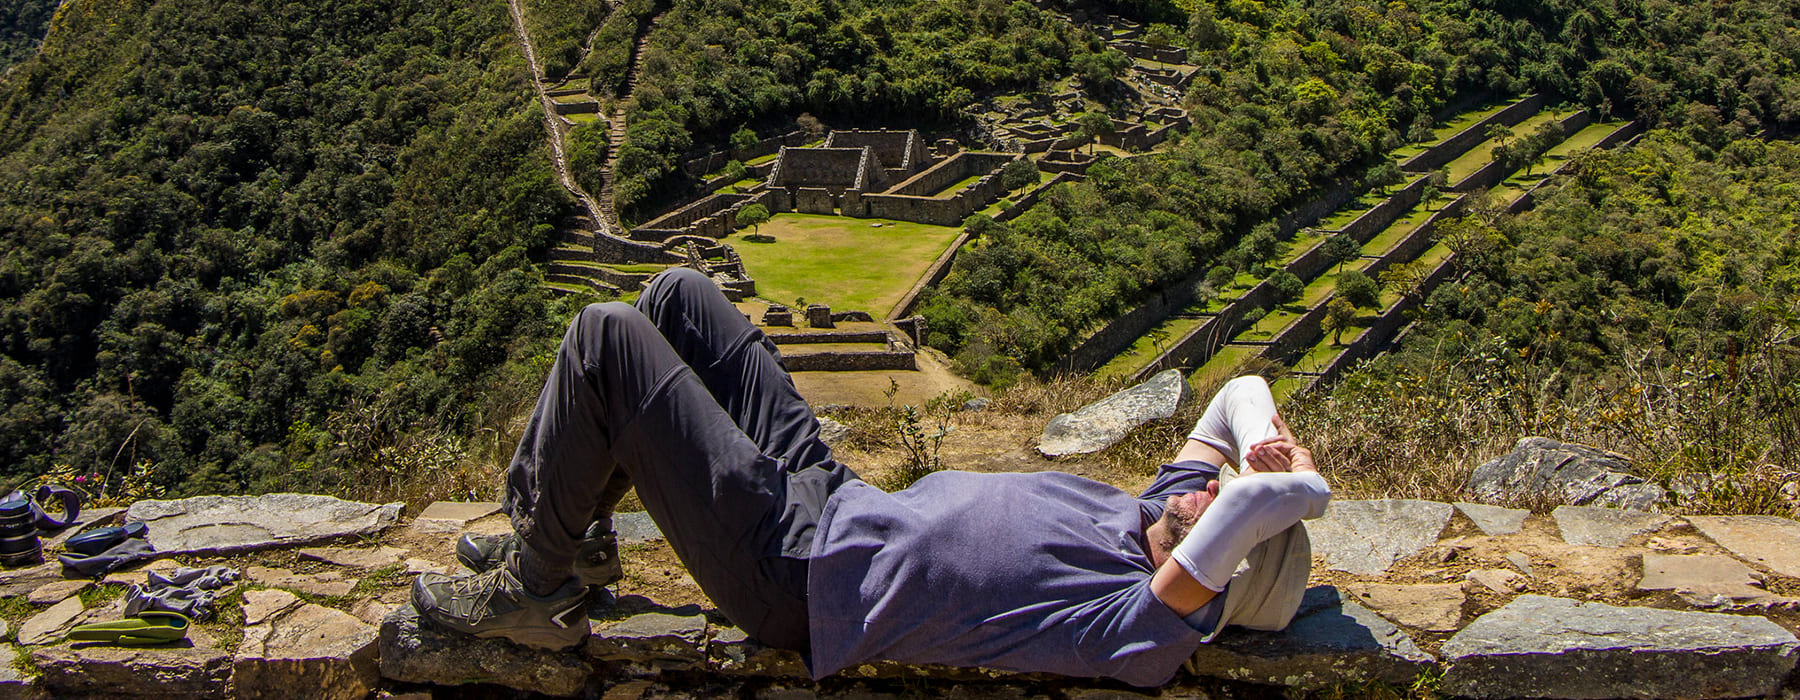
1341,248
1357,288
753,216
1288,287
1339,315
1385,175
1019,173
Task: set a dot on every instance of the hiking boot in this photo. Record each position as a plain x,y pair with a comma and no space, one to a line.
596,559
496,604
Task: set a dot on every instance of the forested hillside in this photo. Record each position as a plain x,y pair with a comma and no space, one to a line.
22,24
270,245
248,245
714,66
1293,96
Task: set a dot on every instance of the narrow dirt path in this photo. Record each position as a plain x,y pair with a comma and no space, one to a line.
616,136
553,127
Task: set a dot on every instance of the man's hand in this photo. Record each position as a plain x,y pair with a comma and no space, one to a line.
1281,453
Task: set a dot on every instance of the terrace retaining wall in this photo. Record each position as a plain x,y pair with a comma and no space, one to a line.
717,159
851,361
1447,150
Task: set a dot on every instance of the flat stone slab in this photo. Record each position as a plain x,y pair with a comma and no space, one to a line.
223,524
1706,581
187,671
264,603
412,653
1434,607
1501,581
57,591
1098,425
635,527
327,583
326,651
1330,640
1366,537
670,642
1764,540
50,625
1589,526
731,651
364,558
1494,520
1543,647
24,581
452,516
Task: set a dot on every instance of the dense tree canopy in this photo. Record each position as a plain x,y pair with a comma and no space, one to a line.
251,243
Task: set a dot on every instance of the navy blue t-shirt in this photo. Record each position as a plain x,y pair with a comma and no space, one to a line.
1026,572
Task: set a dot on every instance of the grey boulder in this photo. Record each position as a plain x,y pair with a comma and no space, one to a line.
1565,472
1098,425
1543,647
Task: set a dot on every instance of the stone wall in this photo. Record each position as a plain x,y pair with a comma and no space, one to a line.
944,210
1495,172
894,150
834,168
1118,334
851,361
712,216
1161,54
589,107
831,337
1381,215
1198,346
814,200
613,249
1309,213
954,169
1031,197
1066,162
1448,150
717,159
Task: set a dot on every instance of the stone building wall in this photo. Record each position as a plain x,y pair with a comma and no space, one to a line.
1162,54
833,168
894,150
814,200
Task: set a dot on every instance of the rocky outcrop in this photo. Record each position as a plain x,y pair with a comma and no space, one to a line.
1098,425
1563,472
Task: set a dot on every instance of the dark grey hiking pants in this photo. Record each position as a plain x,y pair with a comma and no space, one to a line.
691,404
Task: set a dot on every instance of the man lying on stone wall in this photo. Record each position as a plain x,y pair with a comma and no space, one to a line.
684,399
